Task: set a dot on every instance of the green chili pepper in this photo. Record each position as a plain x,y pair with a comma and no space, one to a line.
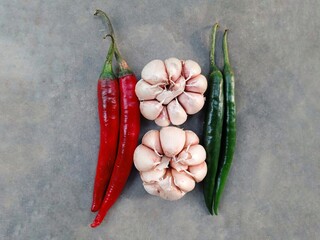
229,133
213,124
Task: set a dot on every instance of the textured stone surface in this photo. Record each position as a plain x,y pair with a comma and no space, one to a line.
51,53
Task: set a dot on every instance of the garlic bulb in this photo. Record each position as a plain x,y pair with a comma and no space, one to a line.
171,89
171,161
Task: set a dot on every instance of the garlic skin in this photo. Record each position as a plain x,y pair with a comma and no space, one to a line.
167,81
170,162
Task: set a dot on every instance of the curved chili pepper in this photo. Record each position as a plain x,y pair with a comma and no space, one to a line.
213,124
229,134
108,107
129,133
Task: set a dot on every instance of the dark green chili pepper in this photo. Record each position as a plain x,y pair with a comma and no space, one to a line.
213,124
229,134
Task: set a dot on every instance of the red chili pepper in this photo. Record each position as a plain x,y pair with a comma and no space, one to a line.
108,106
128,137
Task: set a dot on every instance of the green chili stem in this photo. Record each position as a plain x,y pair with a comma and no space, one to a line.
213,43
107,71
111,49
97,12
225,48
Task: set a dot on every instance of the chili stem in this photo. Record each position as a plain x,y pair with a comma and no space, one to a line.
102,13
107,71
123,66
213,43
225,48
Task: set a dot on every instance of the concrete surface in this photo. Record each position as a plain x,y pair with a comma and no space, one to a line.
51,53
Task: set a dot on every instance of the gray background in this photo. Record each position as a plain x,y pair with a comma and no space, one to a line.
51,53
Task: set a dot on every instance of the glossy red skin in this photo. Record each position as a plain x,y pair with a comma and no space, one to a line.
128,140
108,106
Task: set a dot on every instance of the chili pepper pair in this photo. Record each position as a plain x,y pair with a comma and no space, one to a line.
119,117
220,126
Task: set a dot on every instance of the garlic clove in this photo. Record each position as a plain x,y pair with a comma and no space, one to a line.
176,113
163,119
150,109
183,181
198,171
152,188
191,138
168,190
144,158
146,91
152,140
193,155
197,84
191,69
172,140
174,68
191,102
153,175
154,72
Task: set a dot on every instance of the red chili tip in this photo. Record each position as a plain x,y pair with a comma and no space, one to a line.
94,208
95,223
